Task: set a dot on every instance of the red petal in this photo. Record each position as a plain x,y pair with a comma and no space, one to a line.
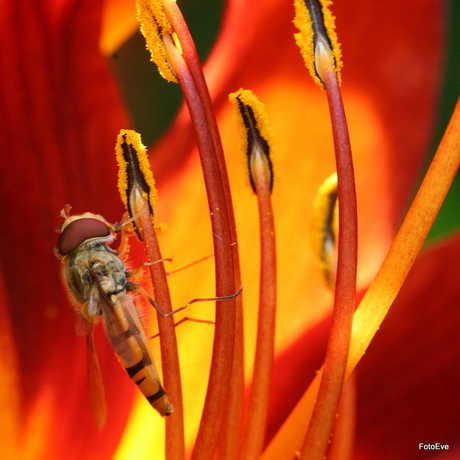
408,380
60,114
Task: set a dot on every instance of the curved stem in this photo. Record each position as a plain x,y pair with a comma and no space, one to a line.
175,443
344,430
225,250
263,362
324,413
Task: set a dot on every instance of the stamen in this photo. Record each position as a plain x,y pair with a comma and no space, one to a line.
317,37
344,429
226,381
325,233
137,189
228,350
155,26
256,145
320,50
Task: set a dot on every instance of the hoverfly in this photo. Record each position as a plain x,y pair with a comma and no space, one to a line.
99,284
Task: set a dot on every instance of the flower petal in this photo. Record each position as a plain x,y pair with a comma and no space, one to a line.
409,377
60,114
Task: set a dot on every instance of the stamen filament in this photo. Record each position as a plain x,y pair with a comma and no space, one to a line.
226,382
323,417
344,429
264,357
325,234
321,52
257,149
408,241
174,444
136,187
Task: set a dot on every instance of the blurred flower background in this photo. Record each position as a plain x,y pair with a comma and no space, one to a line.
63,102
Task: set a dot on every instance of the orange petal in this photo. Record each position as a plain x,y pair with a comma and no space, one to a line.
118,24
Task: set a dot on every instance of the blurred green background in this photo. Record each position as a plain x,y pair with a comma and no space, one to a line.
153,102
448,218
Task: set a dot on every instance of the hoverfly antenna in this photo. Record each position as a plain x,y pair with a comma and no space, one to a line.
65,212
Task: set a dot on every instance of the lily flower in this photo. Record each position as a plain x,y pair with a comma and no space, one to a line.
62,111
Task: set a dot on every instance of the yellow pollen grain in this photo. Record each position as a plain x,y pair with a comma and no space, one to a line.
305,37
162,228
155,25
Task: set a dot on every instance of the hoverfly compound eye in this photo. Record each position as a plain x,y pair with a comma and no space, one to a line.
77,232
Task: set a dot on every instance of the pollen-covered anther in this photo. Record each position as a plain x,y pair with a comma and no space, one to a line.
325,229
257,137
135,180
155,26
317,39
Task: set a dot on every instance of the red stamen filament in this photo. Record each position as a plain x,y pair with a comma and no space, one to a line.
263,362
226,386
175,443
324,413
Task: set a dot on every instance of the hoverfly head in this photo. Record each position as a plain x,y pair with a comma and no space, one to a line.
81,229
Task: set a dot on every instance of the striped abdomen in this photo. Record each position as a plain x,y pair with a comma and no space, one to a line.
126,335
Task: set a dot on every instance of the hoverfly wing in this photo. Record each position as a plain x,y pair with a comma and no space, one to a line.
125,333
96,384
82,326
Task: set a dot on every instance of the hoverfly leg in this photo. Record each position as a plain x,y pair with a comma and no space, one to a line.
92,308
147,297
144,293
189,265
210,299
140,272
183,320
169,259
123,248
93,305
126,229
198,299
